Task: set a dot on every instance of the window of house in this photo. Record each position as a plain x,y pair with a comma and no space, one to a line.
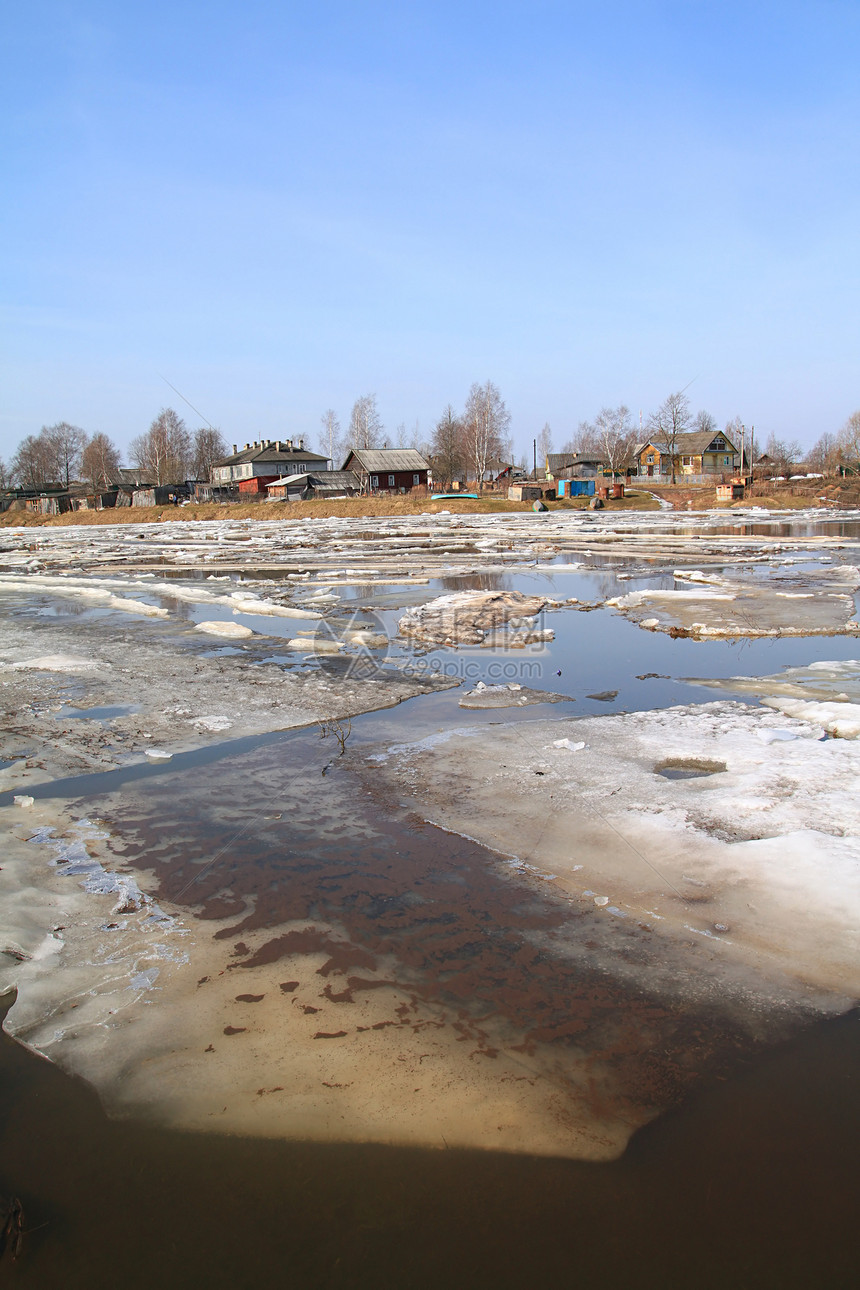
390,481
416,479
650,459
687,461
374,481
727,461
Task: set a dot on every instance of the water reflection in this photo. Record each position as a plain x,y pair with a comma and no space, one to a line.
475,581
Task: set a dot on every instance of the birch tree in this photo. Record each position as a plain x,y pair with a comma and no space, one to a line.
544,445
671,419
365,426
164,452
330,433
613,435
486,421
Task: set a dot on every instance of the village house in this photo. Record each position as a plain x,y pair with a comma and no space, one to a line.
388,470
697,454
263,461
573,465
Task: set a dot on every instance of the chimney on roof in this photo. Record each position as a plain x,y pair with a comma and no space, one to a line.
301,445
289,445
235,450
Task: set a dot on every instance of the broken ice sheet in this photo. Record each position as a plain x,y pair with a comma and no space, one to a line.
800,602
768,847
824,694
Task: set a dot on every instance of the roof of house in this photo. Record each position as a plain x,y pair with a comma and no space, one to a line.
324,480
556,461
690,443
274,451
380,460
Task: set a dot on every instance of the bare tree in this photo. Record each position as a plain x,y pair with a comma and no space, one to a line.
331,433
65,444
486,421
417,440
742,440
208,448
544,445
704,421
613,433
164,452
100,462
5,474
447,448
849,441
31,466
824,455
783,454
583,439
671,419
365,426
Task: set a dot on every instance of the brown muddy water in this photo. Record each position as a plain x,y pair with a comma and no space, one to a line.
748,1180
752,1183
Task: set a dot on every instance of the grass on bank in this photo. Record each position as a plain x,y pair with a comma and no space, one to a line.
786,495
358,507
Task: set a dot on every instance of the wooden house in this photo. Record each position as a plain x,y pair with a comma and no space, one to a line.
387,470
695,455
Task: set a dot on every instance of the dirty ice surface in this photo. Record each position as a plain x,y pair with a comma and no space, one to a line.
755,849
805,601
654,857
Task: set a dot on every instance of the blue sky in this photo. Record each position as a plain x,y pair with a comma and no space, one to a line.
281,206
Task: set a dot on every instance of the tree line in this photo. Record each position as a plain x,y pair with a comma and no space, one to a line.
460,443
63,454
833,453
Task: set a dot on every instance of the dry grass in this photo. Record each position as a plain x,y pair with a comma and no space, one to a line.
784,495
359,507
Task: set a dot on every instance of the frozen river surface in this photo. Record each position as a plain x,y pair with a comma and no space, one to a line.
514,925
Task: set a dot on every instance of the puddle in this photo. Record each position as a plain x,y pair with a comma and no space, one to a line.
96,714
690,769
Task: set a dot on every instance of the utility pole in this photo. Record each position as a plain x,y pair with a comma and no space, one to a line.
752,458
534,456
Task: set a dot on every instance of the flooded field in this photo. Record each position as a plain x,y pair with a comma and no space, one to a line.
359,994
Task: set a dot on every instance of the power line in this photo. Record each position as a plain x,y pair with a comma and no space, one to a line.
188,401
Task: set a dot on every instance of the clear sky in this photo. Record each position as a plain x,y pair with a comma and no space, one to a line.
281,206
